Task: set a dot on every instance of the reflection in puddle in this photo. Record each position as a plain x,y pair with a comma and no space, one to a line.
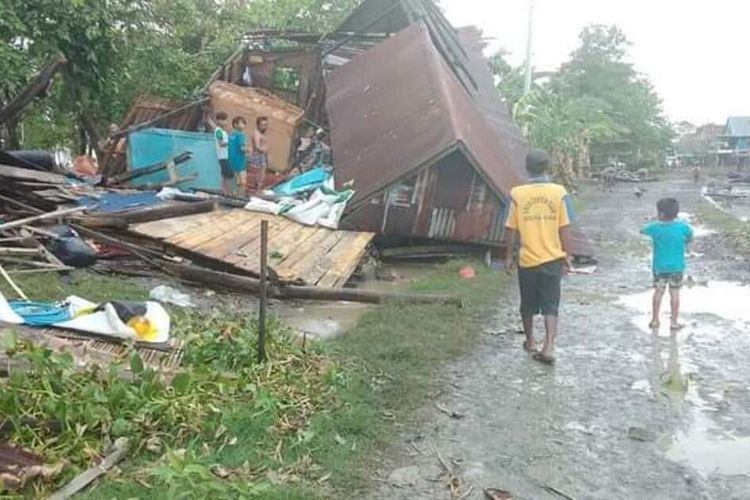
703,446
726,299
674,383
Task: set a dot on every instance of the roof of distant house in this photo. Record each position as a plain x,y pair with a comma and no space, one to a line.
738,126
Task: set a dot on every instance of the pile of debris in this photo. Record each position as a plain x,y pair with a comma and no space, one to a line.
390,126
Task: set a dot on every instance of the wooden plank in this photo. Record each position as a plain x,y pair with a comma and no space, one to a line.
332,259
213,229
50,215
251,246
279,233
163,229
346,257
227,249
289,244
31,175
148,214
196,231
315,264
310,249
246,230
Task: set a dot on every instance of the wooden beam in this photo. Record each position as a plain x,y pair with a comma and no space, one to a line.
34,88
49,215
263,291
26,174
159,118
238,283
117,453
366,296
122,220
151,169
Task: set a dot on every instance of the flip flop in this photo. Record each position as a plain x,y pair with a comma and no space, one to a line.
654,325
678,326
526,347
547,360
497,494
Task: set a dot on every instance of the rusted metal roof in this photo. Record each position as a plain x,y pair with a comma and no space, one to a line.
392,16
398,108
18,466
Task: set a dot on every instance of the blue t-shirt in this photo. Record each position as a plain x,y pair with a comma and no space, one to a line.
237,142
670,240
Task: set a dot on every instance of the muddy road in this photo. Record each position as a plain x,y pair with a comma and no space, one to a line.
626,413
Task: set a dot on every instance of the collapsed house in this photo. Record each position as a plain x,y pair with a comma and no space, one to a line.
423,159
418,135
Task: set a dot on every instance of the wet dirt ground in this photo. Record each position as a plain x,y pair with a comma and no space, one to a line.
625,413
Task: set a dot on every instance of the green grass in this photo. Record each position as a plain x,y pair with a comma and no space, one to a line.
94,287
737,231
315,425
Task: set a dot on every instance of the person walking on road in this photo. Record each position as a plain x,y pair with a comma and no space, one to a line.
539,217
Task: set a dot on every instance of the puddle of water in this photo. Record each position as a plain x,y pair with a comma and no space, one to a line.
322,320
739,208
726,299
704,448
698,230
702,231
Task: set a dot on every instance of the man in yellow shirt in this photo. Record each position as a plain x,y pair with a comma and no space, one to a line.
539,215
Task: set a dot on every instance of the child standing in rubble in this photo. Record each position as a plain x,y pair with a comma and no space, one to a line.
237,153
670,238
259,154
222,151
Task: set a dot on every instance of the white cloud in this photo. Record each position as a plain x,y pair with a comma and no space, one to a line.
693,51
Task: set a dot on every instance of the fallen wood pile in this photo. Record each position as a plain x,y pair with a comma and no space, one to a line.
206,242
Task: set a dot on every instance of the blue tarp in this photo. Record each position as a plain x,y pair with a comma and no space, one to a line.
116,202
309,181
153,145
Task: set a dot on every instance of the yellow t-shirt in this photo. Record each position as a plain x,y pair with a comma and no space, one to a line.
537,212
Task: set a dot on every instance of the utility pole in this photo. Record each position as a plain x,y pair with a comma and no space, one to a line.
527,79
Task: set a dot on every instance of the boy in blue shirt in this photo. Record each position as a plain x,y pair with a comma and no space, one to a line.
237,153
670,238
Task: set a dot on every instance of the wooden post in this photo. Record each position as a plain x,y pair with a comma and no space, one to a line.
263,291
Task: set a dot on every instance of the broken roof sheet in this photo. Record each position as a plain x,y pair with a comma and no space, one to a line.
392,16
398,108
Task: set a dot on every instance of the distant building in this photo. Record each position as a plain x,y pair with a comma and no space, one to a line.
684,128
736,141
699,147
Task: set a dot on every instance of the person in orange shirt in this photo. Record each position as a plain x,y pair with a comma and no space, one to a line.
539,216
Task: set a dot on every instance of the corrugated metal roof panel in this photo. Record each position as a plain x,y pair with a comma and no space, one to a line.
398,107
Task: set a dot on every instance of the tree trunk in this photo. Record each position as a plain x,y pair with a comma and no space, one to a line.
89,124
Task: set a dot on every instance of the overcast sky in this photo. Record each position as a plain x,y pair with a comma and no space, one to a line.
695,52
